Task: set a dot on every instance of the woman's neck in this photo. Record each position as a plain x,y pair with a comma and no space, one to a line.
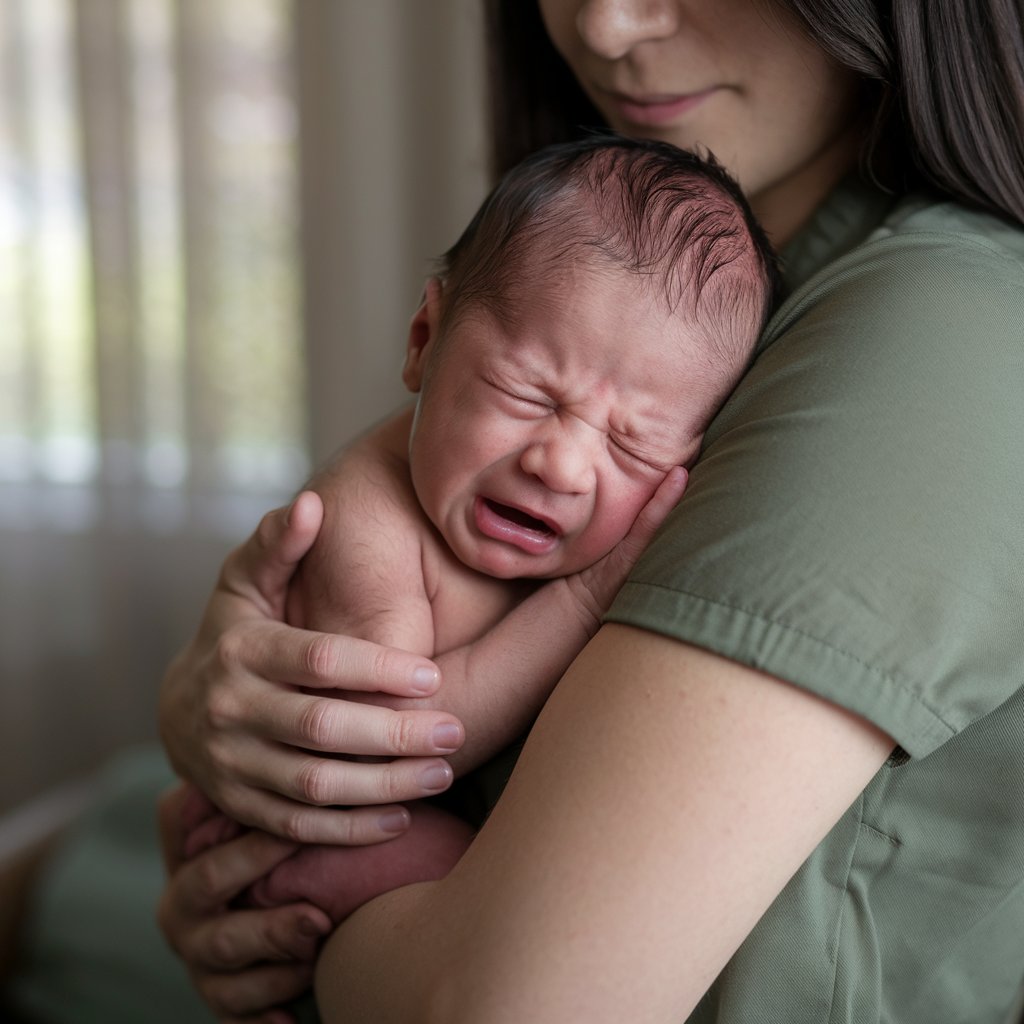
785,206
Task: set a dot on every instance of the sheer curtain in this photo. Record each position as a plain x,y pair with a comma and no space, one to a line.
215,216
393,167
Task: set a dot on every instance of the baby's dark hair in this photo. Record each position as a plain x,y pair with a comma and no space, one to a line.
675,219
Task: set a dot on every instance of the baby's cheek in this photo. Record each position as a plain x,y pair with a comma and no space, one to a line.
614,519
588,549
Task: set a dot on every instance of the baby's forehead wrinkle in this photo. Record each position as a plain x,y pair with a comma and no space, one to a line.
666,429
652,425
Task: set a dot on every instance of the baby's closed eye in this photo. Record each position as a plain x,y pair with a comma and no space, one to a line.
636,456
522,401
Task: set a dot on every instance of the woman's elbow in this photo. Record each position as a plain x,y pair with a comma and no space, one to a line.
377,968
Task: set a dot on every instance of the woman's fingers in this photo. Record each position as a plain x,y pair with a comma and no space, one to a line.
653,514
350,826
272,650
277,784
253,738
214,878
236,940
245,995
333,801
325,782
244,962
314,722
595,587
262,567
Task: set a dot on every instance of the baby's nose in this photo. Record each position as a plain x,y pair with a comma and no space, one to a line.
562,460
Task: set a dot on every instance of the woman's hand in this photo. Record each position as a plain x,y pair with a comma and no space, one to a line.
235,722
595,587
244,963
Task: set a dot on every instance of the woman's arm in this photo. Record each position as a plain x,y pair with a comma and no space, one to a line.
664,798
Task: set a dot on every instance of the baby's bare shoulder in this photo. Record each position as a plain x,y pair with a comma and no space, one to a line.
364,575
381,571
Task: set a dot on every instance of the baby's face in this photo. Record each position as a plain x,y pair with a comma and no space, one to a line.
536,444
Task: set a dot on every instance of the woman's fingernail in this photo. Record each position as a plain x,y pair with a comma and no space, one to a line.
436,777
425,679
447,737
289,510
394,821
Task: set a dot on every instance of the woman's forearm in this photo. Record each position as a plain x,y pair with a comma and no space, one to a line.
390,964
615,877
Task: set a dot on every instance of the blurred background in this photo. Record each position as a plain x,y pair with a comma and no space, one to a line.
215,219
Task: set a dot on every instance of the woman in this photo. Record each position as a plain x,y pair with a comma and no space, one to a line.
781,783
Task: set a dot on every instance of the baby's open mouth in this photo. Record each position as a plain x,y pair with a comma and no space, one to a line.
520,518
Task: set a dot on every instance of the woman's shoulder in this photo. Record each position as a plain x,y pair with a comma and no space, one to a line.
915,221
858,220
853,523
928,238
927,265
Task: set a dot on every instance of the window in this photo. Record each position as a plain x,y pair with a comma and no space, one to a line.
149,270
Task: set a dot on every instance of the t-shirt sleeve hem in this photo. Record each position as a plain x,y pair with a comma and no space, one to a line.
788,653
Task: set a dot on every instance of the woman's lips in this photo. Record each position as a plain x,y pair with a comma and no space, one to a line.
514,526
656,109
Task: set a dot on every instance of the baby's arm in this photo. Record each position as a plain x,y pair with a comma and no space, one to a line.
497,684
364,575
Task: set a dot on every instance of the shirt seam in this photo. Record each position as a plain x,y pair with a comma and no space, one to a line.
840,917
952,239
891,840
761,617
809,291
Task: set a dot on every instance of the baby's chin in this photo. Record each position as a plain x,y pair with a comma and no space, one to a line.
514,565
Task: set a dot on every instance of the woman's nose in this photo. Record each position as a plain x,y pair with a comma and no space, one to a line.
561,460
611,28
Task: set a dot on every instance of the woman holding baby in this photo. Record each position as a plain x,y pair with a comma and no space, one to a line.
781,782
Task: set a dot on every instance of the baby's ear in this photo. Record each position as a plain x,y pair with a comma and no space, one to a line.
423,333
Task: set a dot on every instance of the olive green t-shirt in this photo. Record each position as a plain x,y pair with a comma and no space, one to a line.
855,525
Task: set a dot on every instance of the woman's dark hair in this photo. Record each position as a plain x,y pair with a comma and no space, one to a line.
945,79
